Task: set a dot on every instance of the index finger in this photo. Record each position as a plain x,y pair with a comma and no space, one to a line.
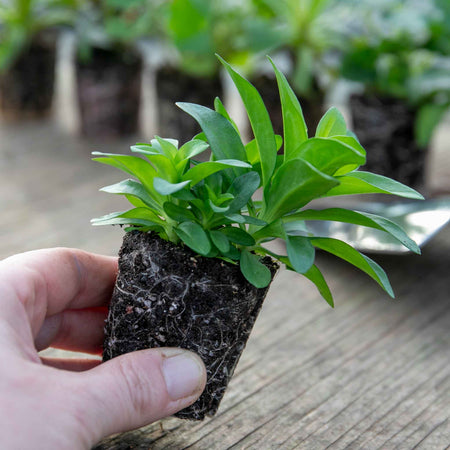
49,281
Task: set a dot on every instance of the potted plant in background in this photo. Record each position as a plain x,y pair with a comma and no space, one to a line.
27,54
393,51
197,29
194,267
109,65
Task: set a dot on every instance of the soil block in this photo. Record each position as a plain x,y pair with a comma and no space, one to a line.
385,128
167,296
26,88
312,109
109,91
174,86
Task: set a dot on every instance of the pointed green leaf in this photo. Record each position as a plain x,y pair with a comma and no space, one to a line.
301,253
220,241
165,188
315,275
254,270
329,155
136,216
362,262
294,185
358,218
259,120
238,236
294,125
331,124
194,236
223,139
218,106
205,169
366,183
192,148
133,188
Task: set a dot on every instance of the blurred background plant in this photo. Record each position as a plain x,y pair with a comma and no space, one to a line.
399,53
27,53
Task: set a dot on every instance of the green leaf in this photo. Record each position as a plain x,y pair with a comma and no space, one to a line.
218,106
238,236
331,124
223,139
220,241
358,218
315,275
329,155
251,149
294,125
362,262
178,213
294,185
169,147
136,216
254,270
133,188
205,169
134,166
165,188
239,218
242,188
145,149
301,253
191,148
194,236
366,183
259,120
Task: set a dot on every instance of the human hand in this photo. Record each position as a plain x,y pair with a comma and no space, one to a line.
58,297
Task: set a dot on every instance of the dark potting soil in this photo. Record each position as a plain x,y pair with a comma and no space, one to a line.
385,128
174,86
26,88
109,91
167,296
312,109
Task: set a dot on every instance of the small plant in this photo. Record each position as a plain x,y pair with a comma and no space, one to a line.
208,206
22,20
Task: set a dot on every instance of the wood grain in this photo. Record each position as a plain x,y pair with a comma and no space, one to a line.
373,373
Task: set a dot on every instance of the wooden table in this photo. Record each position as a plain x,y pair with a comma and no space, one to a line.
371,373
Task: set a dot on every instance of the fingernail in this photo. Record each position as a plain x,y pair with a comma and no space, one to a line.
183,374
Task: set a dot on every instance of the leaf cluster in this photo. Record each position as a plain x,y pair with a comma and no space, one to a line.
21,20
209,206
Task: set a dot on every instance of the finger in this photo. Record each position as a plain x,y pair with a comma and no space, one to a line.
75,330
49,281
138,388
72,364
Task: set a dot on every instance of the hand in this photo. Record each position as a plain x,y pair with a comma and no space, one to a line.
58,297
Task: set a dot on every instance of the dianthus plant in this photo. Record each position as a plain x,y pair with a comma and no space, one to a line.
210,207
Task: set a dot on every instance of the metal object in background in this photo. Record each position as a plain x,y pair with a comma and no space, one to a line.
420,219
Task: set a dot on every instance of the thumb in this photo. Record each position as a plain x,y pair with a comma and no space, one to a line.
138,388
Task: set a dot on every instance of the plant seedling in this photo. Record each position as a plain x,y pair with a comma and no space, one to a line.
206,211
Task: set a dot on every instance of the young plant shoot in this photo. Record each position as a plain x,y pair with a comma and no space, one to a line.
179,202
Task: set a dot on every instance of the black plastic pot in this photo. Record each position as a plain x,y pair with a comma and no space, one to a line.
174,86
109,93
385,128
167,296
26,88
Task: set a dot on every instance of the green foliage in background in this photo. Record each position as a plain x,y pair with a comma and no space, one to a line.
400,49
200,28
23,20
209,206
117,25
